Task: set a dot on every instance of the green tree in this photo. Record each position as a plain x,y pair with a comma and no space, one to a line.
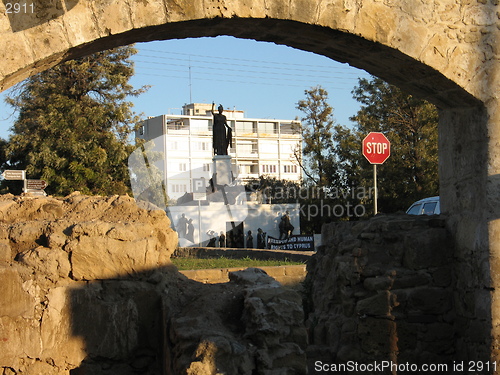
410,124
317,157
269,189
74,124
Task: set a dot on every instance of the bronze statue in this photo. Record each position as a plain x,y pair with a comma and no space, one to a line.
222,133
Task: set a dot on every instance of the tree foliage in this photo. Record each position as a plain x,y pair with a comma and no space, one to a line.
333,158
269,189
317,159
74,124
411,172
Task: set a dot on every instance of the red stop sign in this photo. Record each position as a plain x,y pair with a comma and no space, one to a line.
376,148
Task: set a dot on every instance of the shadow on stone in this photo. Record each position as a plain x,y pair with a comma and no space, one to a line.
384,290
158,322
87,287
24,15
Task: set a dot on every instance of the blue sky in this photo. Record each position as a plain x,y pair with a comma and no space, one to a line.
263,79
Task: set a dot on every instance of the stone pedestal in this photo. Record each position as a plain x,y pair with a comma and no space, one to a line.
223,174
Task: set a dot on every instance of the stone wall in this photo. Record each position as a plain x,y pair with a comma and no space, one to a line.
285,275
57,259
444,51
382,290
87,287
248,326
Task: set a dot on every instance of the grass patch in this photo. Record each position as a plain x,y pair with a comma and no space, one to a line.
222,262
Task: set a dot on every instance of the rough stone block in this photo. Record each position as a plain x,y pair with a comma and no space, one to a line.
430,248
101,257
27,232
410,279
5,252
378,283
349,245
275,272
209,275
190,274
16,302
378,337
439,331
442,277
298,270
378,305
430,300
56,329
18,338
4,231
408,335
54,263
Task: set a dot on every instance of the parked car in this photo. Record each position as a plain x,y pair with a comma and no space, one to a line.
426,206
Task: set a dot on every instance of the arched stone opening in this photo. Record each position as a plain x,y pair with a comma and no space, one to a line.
468,160
376,58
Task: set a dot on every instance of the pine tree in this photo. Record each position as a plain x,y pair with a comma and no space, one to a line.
74,124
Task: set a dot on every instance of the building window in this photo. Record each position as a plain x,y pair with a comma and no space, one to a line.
182,167
268,127
290,168
206,167
142,129
247,147
172,145
269,168
179,188
202,146
175,125
249,169
243,127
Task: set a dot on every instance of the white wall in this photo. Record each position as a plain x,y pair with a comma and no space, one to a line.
216,215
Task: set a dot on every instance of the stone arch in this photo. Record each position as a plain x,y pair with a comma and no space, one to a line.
392,64
445,51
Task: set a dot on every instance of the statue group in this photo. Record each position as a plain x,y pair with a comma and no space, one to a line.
222,132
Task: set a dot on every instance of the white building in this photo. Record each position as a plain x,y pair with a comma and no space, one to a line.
260,146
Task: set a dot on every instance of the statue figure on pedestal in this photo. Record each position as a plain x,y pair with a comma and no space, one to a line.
222,132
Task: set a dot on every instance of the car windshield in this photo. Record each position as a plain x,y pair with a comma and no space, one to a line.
415,209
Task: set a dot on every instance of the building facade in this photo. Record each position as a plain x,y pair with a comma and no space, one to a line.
260,146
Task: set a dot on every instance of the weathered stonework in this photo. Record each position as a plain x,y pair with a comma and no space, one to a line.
291,276
442,50
87,287
383,290
446,51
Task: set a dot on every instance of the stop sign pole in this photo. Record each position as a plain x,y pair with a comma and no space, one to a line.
376,149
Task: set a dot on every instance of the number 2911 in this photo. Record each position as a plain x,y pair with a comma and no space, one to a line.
19,8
